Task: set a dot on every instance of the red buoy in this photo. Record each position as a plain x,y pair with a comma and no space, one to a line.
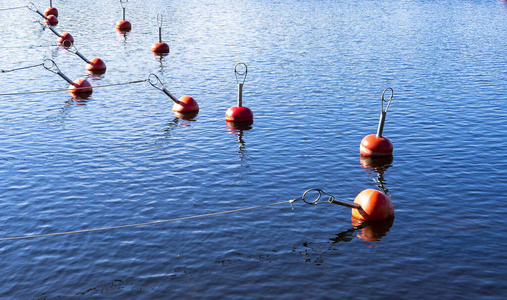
374,206
51,20
123,26
51,11
238,114
81,88
160,48
96,66
185,104
65,37
374,146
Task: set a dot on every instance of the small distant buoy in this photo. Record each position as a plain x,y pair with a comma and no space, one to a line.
123,26
160,48
51,20
185,104
51,11
96,66
81,88
239,113
65,37
374,206
374,146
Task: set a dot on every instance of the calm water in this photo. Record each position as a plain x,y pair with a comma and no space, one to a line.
317,70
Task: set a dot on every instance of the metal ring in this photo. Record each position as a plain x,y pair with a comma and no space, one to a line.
236,72
154,81
32,6
388,100
314,202
159,20
123,3
49,67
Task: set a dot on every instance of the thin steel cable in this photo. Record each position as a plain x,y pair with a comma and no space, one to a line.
11,8
61,90
21,68
146,223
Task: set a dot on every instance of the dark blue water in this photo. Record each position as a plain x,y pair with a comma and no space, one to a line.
316,72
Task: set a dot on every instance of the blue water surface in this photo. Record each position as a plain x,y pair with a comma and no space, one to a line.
316,72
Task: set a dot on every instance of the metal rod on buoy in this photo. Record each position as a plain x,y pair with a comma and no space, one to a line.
240,84
123,4
34,8
343,203
69,46
383,112
156,83
159,22
49,64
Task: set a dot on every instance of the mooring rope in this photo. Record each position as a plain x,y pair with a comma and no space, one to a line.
148,223
76,89
21,68
11,8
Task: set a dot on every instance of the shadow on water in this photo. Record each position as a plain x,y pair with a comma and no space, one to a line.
238,128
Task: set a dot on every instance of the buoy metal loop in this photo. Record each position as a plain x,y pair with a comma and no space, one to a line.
159,23
156,83
243,71
34,8
69,46
51,66
123,4
383,112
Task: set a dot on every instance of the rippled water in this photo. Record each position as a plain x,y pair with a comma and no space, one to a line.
316,72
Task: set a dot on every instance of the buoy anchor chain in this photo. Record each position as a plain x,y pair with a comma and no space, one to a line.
80,87
185,104
377,145
239,113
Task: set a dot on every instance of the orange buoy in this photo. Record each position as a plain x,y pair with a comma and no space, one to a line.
51,11
160,48
185,104
378,145
81,88
374,206
123,26
65,37
51,20
238,114
374,146
96,66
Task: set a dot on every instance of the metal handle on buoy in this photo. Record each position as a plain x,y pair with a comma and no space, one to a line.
159,23
156,83
34,8
49,64
383,112
330,200
123,4
240,84
69,46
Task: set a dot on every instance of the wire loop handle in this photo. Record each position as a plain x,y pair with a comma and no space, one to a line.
156,83
123,3
49,64
240,73
69,46
159,20
388,100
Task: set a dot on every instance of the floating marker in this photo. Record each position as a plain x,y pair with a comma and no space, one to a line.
94,66
64,37
123,25
50,20
160,48
78,88
185,104
51,10
239,113
378,145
